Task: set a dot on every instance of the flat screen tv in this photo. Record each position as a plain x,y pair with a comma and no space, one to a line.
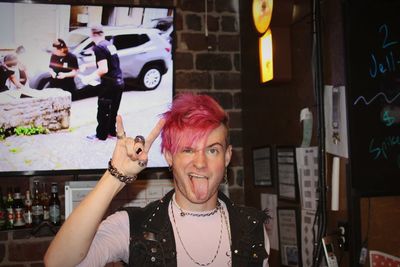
44,130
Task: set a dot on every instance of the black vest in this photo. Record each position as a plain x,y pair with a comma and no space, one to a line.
152,241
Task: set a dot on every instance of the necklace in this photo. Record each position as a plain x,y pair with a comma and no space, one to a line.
187,253
184,213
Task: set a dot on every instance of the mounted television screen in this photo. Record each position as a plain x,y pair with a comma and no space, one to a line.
49,129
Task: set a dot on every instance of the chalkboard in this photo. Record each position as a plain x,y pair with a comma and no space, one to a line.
372,38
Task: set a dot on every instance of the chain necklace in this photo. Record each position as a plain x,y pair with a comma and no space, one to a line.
180,239
184,213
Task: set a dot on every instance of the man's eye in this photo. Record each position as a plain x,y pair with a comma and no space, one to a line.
213,151
187,150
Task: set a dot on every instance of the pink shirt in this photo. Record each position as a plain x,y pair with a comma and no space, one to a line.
200,237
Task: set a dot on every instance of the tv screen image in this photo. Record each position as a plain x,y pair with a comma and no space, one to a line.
45,129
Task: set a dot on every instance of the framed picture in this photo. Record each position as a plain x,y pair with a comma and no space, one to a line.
262,166
289,245
287,173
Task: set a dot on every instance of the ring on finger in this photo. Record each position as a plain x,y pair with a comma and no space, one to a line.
139,139
142,163
121,136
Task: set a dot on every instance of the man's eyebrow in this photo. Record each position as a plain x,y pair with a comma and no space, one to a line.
216,144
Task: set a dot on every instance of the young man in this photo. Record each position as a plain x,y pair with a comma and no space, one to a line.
193,225
111,84
63,67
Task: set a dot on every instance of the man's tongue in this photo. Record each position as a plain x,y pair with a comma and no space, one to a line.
200,187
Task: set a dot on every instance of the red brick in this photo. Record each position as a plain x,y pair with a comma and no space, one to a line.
227,80
183,61
224,99
178,21
228,43
197,41
213,23
27,251
235,119
195,5
229,24
193,80
193,22
210,61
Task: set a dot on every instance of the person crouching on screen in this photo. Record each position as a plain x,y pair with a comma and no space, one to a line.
111,84
192,225
63,67
9,76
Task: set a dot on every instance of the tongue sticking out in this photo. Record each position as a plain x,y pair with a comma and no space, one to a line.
200,187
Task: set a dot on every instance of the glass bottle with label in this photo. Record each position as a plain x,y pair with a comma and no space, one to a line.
18,209
3,211
44,198
28,209
37,207
54,205
10,210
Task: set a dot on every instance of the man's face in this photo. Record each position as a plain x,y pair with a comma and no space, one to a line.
199,169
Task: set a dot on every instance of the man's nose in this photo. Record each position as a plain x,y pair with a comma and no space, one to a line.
199,160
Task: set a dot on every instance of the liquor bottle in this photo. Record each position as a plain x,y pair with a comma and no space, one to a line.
37,207
18,209
3,211
28,209
10,210
44,199
54,205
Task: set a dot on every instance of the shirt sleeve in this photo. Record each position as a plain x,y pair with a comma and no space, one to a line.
267,248
100,52
110,243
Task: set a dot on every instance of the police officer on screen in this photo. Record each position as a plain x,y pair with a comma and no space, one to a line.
111,84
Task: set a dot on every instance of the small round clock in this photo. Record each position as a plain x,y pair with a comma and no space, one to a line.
262,13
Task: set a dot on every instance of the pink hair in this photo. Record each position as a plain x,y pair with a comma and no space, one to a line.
191,118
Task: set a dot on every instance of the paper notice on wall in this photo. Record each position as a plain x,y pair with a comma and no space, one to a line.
335,120
307,170
308,231
269,202
307,118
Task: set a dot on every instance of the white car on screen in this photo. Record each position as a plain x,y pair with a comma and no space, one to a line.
144,55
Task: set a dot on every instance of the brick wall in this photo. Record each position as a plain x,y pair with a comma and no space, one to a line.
209,65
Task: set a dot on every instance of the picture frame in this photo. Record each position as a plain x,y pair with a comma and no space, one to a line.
289,236
262,165
286,172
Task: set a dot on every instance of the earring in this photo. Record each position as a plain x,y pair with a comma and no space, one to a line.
226,176
170,168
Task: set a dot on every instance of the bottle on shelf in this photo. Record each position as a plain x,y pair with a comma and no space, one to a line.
3,211
54,205
28,209
37,207
18,209
10,209
44,199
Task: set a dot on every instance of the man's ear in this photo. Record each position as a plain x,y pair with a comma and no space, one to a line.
228,155
168,157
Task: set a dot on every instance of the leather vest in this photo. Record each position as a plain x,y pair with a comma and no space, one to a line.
152,241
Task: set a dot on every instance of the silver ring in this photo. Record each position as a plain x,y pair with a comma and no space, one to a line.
142,163
121,136
139,139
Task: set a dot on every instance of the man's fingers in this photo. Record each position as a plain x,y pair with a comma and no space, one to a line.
153,134
120,127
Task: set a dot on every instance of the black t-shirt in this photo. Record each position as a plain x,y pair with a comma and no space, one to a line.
65,63
106,50
4,75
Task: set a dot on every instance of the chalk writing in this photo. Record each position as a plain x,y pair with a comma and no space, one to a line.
389,101
388,120
389,61
381,149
